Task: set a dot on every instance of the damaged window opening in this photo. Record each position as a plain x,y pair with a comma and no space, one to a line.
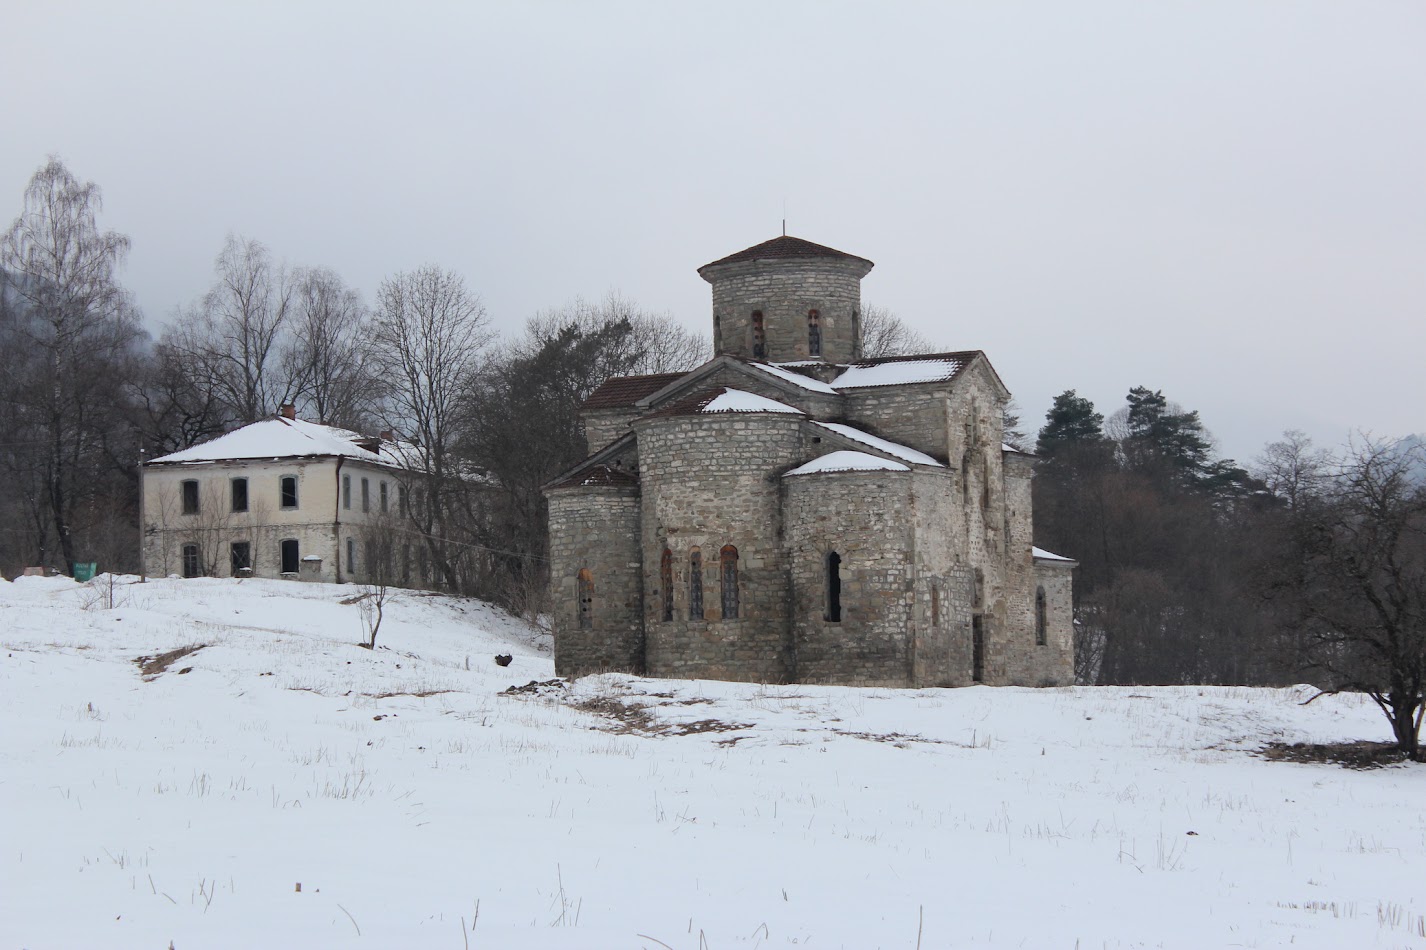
586,599
814,333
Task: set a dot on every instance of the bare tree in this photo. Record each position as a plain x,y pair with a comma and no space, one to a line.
329,360
886,334
1293,470
428,333
233,336
654,342
70,337
1359,576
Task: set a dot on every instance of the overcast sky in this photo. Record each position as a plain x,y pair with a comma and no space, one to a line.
1225,201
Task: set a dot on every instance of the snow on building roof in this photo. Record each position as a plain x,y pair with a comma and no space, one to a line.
1043,555
276,438
848,462
797,379
738,400
899,371
722,399
903,452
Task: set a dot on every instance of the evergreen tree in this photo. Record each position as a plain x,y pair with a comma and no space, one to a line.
1071,419
1159,437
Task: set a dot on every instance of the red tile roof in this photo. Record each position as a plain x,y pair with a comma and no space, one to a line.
622,392
784,248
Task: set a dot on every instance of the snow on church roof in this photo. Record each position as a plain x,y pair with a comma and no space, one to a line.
1043,555
848,462
899,372
903,452
737,400
797,379
275,438
723,399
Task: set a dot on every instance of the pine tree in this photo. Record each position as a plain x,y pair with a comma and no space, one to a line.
1071,419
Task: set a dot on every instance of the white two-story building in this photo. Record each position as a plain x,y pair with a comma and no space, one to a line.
281,498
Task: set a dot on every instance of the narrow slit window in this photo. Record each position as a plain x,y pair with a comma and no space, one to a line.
1041,618
935,606
977,648
759,336
240,495
814,333
728,559
695,584
190,497
834,588
586,599
666,583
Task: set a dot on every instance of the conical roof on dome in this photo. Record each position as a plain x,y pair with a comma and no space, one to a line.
785,248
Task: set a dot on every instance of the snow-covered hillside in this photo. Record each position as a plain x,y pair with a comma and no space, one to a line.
418,805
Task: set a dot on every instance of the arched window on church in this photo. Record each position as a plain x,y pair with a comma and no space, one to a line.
666,584
759,336
586,599
728,561
814,333
695,583
1041,620
834,588
935,605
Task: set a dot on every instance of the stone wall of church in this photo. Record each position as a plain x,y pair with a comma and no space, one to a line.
1054,662
602,426
711,481
783,291
944,581
596,529
862,518
1026,661
918,415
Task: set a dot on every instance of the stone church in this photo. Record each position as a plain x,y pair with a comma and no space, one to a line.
792,512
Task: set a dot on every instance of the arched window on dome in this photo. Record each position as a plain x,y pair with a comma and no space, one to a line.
728,562
586,599
695,583
814,333
759,336
666,584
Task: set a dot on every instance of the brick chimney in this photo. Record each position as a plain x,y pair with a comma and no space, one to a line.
288,411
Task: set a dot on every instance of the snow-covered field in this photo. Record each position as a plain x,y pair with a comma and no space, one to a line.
418,806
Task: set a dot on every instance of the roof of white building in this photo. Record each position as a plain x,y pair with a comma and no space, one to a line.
283,438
